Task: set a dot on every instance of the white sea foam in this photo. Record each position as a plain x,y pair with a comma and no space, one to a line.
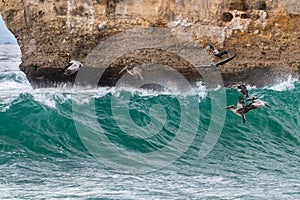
201,90
50,97
14,83
11,89
284,85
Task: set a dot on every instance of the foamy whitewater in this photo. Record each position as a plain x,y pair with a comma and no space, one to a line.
128,143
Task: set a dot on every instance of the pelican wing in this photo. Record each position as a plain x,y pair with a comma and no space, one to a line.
241,103
227,107
123,69
212,46
67,66
247,108
222,62
223,53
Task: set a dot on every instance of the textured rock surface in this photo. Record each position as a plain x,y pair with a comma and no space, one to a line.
263,33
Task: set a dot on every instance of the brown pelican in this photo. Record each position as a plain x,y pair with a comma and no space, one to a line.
222,62
135,71
72,67
218,53
239,109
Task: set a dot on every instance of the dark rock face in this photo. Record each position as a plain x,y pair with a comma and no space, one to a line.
262,34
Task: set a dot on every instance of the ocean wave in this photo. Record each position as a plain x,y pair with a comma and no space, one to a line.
50,136
50,111
60,101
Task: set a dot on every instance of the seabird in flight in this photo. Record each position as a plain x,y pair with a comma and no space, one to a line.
216,52
222,62
72,67
135,71
239,109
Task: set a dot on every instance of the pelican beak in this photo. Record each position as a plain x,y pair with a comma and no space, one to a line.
227,107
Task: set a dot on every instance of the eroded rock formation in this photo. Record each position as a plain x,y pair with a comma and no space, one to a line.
263,33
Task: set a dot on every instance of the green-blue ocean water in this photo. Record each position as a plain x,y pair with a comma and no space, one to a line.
44,151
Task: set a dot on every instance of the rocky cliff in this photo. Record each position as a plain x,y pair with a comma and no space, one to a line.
264,34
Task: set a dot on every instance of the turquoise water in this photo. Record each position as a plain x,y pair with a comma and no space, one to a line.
117,143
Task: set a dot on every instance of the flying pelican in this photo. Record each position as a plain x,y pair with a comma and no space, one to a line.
239,109
135,72
72,67
218,53
222,62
